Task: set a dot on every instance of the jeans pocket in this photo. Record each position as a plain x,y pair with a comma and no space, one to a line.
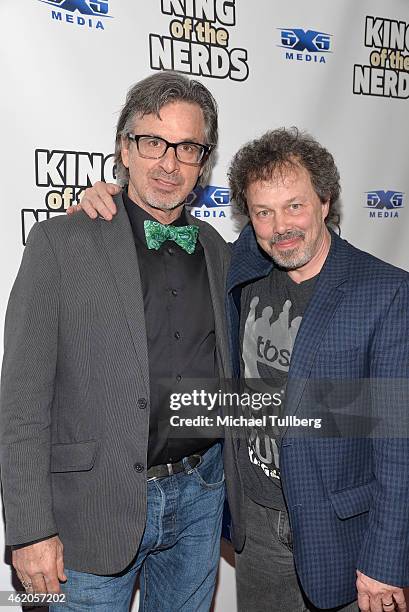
206,484
280,526
285,534
209,472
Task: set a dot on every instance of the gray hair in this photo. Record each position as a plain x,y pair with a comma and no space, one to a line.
277,152
149,96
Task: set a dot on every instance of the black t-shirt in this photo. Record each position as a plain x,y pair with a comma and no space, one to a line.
271,313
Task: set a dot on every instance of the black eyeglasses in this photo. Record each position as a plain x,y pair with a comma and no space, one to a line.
154,147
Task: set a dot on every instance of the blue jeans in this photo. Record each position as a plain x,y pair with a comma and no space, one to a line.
179,553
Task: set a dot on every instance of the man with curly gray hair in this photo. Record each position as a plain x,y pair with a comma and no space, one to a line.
319,520
278,151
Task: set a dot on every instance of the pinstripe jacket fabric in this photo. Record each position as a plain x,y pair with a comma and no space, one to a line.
75,369
347,494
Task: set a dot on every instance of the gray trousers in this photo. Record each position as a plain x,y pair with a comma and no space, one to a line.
265,574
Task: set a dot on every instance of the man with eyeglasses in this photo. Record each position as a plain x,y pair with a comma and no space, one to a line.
97,488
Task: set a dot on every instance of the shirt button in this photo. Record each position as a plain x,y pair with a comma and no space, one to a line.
138,467
171,251
177,335
174,292
178,378
141,403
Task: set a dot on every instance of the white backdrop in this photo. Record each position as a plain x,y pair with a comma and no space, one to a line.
338,69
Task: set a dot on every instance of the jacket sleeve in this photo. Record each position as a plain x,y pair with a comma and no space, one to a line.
27,389
385,551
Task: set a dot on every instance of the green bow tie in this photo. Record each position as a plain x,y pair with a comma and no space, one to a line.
156,234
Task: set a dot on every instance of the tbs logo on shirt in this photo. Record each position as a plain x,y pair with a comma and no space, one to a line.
209,201
305,45
80,12
384,204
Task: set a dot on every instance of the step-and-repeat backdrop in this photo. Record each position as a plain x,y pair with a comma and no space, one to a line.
339,69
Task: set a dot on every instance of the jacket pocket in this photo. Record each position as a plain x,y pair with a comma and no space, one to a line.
73,457
352,501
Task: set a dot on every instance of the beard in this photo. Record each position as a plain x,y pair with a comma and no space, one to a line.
293,258
166,206
162,203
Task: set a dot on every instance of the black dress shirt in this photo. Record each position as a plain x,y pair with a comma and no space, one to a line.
180,335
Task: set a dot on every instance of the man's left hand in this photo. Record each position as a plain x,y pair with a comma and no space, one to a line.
374,596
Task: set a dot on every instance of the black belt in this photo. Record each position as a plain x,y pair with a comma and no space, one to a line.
169,469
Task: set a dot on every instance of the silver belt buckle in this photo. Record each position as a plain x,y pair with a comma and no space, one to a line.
170,469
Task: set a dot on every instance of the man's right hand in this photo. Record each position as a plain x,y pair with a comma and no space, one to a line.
41,565
97,200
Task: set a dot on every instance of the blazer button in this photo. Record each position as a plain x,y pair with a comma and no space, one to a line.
139,467
141,403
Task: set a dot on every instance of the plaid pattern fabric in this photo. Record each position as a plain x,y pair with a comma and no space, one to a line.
347,496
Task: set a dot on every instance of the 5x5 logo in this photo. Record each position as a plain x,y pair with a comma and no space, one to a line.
209,201
209,196
384,200
96,8
297,39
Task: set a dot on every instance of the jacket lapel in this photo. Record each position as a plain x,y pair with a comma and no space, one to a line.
326,298
121,251
247,265
249,262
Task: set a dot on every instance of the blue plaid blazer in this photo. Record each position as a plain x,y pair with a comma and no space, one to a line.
347,495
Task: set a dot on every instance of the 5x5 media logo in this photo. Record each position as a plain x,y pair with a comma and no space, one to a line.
209,201
384,204
305,45
80,12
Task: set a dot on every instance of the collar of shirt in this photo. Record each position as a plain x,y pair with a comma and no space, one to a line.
138,215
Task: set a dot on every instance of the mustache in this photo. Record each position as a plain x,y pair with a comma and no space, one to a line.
169,178
287,236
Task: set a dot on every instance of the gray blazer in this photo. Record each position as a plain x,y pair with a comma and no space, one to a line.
75,366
